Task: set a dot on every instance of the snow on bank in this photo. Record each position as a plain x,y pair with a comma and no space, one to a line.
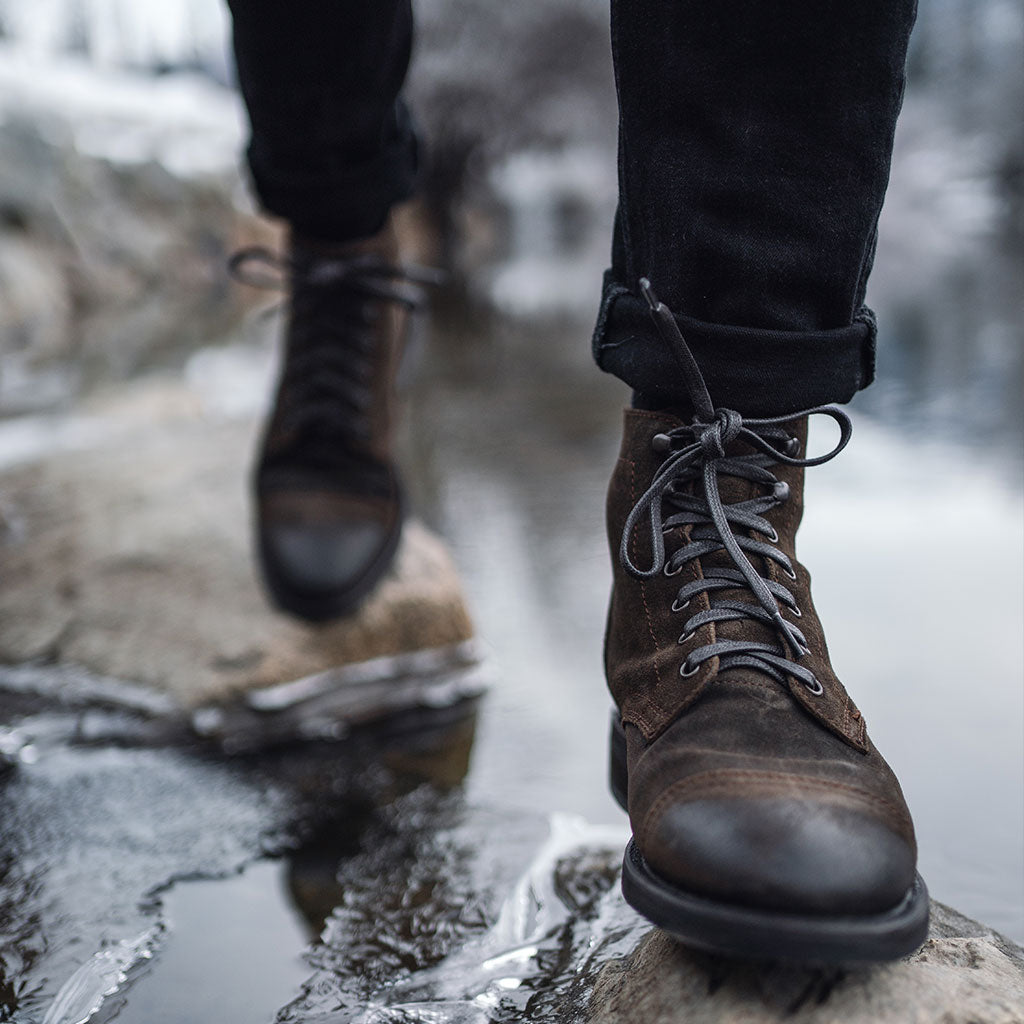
154,34
185,122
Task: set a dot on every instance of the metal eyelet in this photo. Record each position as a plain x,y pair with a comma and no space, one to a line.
684,673
795,610
677,607
815,691
675,572
773,537
790,573
686,637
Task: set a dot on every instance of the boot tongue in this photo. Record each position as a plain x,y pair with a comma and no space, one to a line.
733,490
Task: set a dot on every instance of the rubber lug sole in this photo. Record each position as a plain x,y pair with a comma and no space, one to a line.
752,934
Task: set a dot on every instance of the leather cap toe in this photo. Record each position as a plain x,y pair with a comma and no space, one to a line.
781,853
324,556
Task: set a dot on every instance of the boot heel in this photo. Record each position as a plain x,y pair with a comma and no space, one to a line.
617,777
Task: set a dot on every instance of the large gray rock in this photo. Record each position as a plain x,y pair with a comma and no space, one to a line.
964,974
129,555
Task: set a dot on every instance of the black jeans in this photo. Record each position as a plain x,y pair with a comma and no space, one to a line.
754,147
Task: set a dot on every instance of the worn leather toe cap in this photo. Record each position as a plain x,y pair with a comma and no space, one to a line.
780,853
323,557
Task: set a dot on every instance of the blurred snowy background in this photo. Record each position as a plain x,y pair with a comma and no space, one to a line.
120,190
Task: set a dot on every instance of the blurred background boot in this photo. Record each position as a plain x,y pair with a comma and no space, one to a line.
329,503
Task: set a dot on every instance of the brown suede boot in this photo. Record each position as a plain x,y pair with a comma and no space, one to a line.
765,823
329,502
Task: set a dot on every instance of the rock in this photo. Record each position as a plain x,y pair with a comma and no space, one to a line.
129,555
964,974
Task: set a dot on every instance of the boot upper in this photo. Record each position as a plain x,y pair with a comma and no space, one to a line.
748,781
329,501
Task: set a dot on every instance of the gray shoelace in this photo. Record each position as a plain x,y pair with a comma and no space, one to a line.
697,451
335,304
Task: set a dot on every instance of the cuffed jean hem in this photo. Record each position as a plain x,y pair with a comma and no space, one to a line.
756,372
343,204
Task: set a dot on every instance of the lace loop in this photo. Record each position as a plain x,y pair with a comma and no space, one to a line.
373,276
698,452
336,347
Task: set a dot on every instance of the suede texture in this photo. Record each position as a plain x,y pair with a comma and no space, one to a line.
294,463
643,655
794,790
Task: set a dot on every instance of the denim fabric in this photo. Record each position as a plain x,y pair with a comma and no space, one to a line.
332,146
757,371
754,150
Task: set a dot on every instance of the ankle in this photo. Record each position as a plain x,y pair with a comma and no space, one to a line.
383,243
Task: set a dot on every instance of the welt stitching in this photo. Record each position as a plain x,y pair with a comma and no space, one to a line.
643,585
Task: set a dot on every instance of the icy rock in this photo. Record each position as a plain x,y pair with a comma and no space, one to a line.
128,553
964,973
102,975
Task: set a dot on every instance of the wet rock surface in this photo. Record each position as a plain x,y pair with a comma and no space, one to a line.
964,973
129,557
97,540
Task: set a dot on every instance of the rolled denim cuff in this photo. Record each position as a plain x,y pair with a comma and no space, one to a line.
339,201
756,372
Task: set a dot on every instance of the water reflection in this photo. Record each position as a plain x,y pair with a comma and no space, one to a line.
478,917
99,844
